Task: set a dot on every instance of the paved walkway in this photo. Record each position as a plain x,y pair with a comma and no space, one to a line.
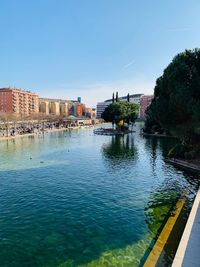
31,134
188,253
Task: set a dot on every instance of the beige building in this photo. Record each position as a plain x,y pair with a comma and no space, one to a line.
49,106
64,108
44,107
55,108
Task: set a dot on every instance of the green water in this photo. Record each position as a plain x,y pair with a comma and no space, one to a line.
79,199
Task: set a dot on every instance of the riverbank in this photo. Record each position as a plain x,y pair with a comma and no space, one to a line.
193,165
110,131
159,135
189,247
39,133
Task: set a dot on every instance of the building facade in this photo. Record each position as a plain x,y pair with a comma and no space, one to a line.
19,102
44,107
145,101
53,106
64,108
79,110
135,98
93,114
88,112
101,107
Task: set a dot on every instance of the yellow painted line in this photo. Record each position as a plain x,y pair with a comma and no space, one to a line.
164,235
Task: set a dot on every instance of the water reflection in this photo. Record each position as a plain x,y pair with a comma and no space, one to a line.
161,205
120,150
153,144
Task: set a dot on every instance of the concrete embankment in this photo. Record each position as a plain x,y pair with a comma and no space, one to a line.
159,135
184,164
158,248
188,253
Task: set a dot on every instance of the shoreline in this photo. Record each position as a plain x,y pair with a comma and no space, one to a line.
184,164
159,135
187,253
111,132
6,138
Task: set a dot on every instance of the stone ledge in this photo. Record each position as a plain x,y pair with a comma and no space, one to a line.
184,164
189,247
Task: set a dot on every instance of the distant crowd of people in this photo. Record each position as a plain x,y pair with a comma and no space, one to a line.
27,129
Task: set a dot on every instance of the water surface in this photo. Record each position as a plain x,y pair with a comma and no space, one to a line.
78,199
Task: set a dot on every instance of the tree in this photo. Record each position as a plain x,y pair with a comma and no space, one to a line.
117,98
176,103
6,120
120,112
128,98
113,98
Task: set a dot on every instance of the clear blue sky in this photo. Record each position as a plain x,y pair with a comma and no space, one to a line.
90,48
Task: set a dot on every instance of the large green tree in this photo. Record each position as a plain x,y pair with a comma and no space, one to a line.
176,103
120,111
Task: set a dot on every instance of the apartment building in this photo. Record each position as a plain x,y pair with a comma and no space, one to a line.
134,98
88,112
55,108
50,106
101,107
145,101
17,101
58,106
64,108
44,107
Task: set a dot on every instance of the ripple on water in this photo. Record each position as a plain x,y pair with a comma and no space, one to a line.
85,200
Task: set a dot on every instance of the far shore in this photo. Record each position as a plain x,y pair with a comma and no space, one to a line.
37,133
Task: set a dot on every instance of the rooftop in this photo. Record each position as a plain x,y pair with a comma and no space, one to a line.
19,90
57,100
124,97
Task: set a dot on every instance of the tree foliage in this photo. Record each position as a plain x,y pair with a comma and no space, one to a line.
120,111
117,98
176,102
128,98
113,98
